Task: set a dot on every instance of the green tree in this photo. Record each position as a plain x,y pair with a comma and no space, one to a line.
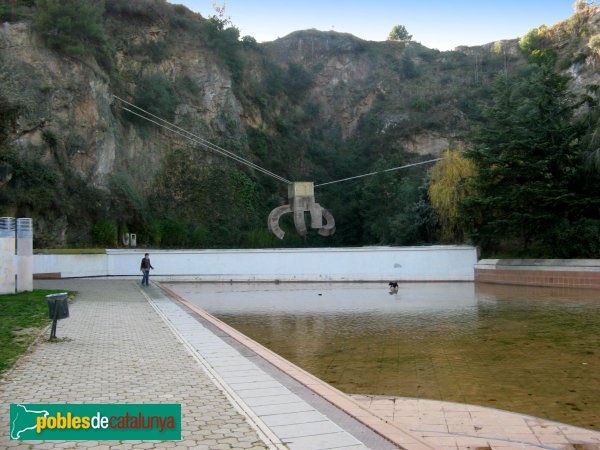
537,47
527,160
399,33
451,182
386,205
224,38
591,140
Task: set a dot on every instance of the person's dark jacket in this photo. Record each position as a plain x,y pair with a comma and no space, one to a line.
146,264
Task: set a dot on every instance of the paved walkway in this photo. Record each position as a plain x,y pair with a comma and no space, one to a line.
124,344
115,348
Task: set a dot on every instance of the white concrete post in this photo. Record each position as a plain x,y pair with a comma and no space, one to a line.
24,255
7,255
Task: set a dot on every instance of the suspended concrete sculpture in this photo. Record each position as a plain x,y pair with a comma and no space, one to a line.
301,197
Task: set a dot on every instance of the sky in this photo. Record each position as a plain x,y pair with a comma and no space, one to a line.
441,24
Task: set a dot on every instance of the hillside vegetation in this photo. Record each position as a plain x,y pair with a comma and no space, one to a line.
313,105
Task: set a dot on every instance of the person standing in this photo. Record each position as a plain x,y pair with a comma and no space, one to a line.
145,268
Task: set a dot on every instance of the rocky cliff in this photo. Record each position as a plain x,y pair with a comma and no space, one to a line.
305,106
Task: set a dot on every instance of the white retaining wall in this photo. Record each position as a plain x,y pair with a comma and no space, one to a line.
71,266
435,263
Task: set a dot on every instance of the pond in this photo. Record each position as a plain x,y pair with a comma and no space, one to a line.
529,350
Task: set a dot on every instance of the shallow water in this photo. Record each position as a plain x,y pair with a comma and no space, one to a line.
529,350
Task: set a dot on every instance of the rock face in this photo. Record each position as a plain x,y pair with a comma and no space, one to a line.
65,104
71,117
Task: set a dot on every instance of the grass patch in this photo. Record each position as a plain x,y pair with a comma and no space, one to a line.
69,251
21,318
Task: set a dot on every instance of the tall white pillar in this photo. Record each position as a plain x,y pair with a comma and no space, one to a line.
24,255
7,255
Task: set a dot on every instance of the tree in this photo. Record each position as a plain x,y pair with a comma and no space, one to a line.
527,161
399,33
387,205
451,182
581,5
537,46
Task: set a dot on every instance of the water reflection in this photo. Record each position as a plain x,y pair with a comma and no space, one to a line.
531,350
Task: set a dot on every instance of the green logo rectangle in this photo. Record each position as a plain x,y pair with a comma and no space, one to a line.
95,422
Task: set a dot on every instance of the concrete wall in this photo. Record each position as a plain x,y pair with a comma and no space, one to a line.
69,266
435,263
571,273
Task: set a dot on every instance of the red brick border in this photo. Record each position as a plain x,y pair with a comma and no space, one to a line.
47,276
551,278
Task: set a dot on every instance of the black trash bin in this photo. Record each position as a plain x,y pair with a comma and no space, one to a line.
58,308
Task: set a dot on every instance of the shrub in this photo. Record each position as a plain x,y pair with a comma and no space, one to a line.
141,9
104,232
49,138
156,50
186,85
8,115
298,81
274,78
7,13
579,238
594,44
155,94
249,42
72,26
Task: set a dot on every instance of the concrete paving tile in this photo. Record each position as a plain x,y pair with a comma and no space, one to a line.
252,378
323,441
293,418
469,441
442,441
262,392
553,440
230,364
517,429
305,429
350,447
268,410
461,428
233,371
579,437
429,429
270,383
272,400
